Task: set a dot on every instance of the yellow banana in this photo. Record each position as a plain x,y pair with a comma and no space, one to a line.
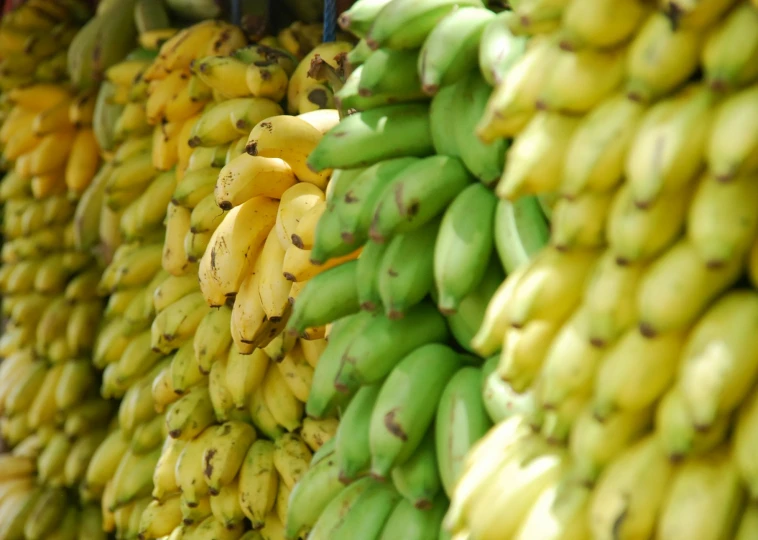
178,322
731,148
244,374
212,337
160,518
246,176
190,415
189,469
225,452
206,216
225,74
164,476
269,80
304,233
273,287
225,505
291,139
173,257
230,253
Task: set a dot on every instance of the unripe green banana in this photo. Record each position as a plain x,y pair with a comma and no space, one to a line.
418,478
406,405
367,275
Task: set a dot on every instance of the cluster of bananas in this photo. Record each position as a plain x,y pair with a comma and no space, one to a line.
34,39
52,418
626,346
186,458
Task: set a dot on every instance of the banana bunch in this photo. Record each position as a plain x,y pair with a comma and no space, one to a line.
634,138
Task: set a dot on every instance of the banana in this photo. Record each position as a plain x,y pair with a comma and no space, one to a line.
250,328
500,399
412,523
193,515
329,296
369,512
16,511
226,507
224,453
286,409
594,442
534,162
547,293
578,81
697,284
721,223
133,477
229,256
164,478
560,511
531,468
598,146
398,208
304,233
724,320
660,58
310,496
418,478
406,125
160,518
330,520
189,468
696,15
178,322
683,123
405,25
742,441
352,452
22,395
709,482
631,492
225,74
87,416
675,428
360,16
397,424
638,234
244,374
173,256
162,389
402,281
364,364
609,298
451,47
211,338
190,415
355,210
104,461
455,433
593,23
726,155
460,254
258,482
266,80
513,103
226,121
246,176
79,457
297,373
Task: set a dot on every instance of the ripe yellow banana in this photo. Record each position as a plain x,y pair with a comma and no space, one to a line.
173,256
190,415
291,139
244,374
233,248
731,148
246,176
212,337
178,322
225,452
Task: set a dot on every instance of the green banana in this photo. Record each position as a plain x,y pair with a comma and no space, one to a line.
408,522
360,16
374,352
405,24
328,296
521,230
367,275
499,48
358,54
464,245
368,514
418,479
311,495
356,208
406,405
404,281
339,183
324,398
333,516
350,97
367,137
460,422
352,452
411,200
485,161
441,113
451,49
390,72
467,319
328,242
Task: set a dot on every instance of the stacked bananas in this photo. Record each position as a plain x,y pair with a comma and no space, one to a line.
195,407
626,346
34,39
52,417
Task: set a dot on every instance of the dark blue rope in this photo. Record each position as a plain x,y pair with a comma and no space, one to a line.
330,20
236,15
